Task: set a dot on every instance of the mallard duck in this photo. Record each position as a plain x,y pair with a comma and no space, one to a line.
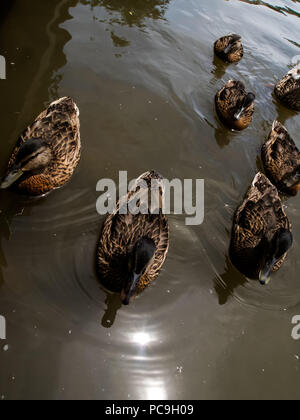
288,89
229,48
261,234
133,247
48,151
281,160
235,107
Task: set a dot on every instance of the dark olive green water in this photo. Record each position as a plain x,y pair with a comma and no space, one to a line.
144,77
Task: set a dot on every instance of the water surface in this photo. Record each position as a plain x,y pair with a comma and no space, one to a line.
144,76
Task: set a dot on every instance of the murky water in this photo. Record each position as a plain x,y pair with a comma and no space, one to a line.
144,77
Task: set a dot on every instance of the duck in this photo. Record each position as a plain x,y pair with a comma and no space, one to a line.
229,48
281,160
261,233
133,247
48,152
235,107
287,90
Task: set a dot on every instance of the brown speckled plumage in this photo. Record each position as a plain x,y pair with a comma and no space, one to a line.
256,222
288,90
229,101
119,237
229,48
59,127
281,159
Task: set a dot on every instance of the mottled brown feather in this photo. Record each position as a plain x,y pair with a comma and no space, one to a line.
228,102
236,51
59,127
119,236
281,160
288,91
256,221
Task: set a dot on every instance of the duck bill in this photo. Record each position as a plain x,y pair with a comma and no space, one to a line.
238,115
295,188
265,274
295,73
227,49
11,178
128,293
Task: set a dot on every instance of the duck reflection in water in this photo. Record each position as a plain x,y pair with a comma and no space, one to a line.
131,13
11,206
228,282
223,136
114,303
283,113
220,68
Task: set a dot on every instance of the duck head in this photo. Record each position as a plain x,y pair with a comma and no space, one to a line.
275,250
292,182
140,260
295,73
33,156
235,42
246,104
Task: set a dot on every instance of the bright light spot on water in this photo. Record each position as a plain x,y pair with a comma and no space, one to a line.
156,392
141,338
